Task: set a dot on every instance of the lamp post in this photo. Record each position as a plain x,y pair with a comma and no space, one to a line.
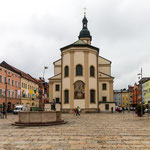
44,71
141,90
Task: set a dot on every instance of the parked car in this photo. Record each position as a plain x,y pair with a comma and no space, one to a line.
146,110
119,109
18,108
116,108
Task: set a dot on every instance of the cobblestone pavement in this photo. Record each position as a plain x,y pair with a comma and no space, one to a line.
115,131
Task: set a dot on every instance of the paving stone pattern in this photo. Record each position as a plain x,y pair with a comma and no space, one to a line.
97,131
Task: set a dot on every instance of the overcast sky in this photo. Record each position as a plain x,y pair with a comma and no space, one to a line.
33,31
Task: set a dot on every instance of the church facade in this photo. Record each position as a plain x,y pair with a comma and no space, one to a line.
82,77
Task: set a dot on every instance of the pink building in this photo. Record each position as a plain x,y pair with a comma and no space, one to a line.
12,79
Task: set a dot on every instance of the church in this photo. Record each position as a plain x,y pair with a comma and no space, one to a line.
82,77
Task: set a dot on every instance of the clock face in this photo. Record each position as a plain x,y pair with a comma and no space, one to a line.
79,90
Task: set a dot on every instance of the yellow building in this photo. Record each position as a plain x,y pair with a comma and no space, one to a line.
29,91
125,102
82,77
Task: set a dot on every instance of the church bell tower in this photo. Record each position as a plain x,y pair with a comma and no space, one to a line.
85,33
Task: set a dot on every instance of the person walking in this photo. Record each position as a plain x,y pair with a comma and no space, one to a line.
75,111
112,109
78,110
123,110
54,104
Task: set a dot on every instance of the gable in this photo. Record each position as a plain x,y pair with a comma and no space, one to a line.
57,62
102,60
58,76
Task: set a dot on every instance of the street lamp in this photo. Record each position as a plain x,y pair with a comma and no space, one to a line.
141,89
44,71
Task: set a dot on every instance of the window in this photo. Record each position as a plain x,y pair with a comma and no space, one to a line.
16,94
16,83
12,94
106,106
66,71
104,87
57,87
104,98
9,94
0,78
12,82
66,96
57,100
92,71
0,92
9,81
78,70
5,79
92,96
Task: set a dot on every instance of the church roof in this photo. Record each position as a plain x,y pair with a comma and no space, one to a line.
23,74
80,43
85,33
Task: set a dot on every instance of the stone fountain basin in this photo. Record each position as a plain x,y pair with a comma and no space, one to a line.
39,118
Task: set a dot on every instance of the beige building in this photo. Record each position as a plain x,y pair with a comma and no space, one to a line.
82,77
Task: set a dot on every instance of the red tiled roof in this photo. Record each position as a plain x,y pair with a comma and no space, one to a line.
23,74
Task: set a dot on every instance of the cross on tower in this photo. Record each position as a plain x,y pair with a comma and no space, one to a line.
84,11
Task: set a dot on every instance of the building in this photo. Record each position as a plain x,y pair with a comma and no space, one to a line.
28,90
146,91
82,77
9,81
117,97
130,89
135,95
125,98
121,97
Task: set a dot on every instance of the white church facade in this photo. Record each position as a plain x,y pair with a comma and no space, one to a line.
82,77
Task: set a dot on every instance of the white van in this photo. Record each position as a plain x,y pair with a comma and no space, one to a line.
18,108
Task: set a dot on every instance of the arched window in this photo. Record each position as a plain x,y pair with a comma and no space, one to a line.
66,71
66,96
92,71
92,96
78,70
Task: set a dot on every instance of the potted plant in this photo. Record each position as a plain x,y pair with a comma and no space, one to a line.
140,109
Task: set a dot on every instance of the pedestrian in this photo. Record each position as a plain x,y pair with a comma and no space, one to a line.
75,111
54,104
123,109
78,110
112,109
